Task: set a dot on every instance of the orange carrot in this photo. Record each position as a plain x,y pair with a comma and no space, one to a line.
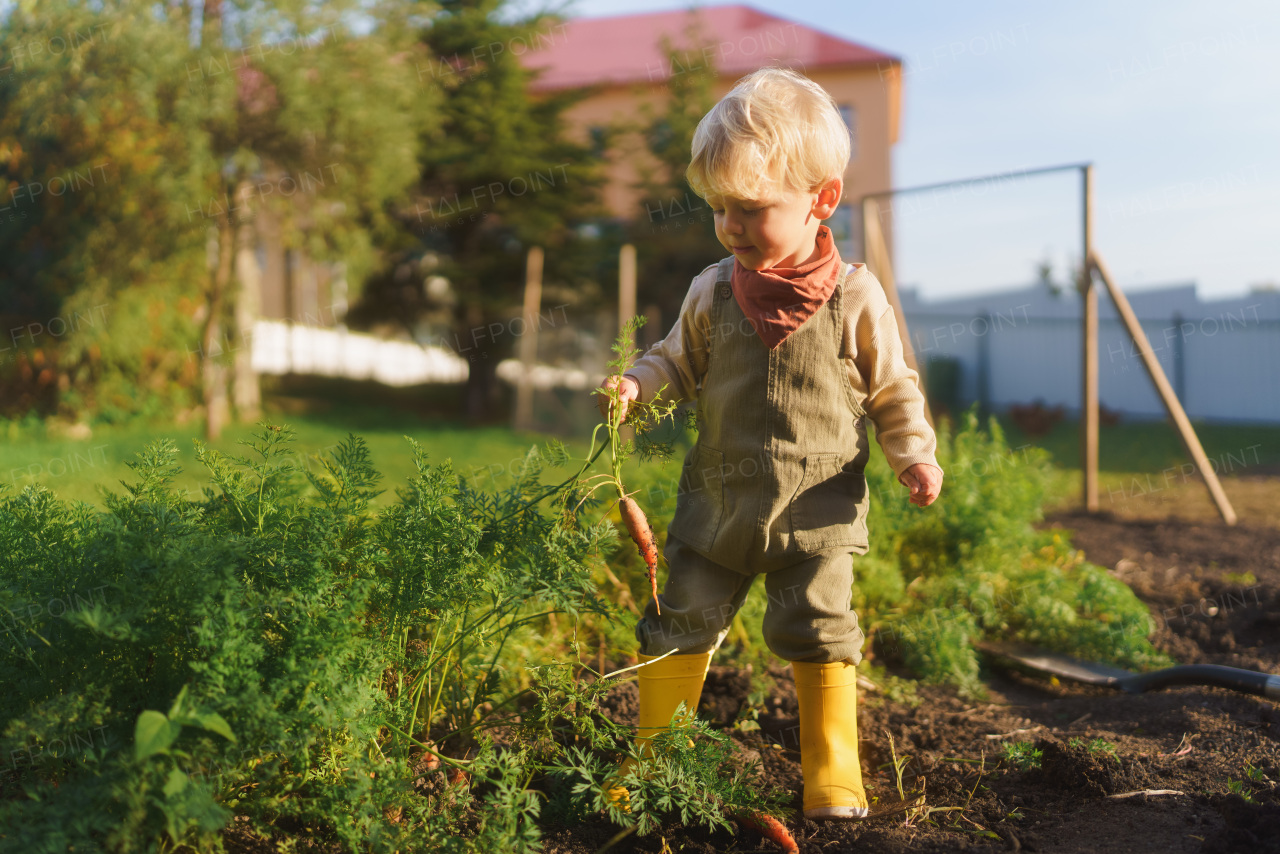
638,527
770,828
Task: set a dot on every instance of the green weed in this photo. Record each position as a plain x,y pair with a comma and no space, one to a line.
1096,747
893,689
1022,755
1241,788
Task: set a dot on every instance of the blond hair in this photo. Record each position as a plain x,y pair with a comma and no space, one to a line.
776,131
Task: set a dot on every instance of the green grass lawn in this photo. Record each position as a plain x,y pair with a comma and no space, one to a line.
324,414
321,412
1141,460
77,469
1153,446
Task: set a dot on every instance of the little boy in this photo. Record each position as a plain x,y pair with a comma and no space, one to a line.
787,351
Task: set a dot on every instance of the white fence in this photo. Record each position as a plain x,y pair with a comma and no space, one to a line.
285,348
1014,347
1224,366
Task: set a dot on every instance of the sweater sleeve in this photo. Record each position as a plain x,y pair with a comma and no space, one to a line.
888,389
679,361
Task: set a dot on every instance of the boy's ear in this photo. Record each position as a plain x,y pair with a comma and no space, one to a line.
828,198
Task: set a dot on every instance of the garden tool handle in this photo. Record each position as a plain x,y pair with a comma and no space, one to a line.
1221,676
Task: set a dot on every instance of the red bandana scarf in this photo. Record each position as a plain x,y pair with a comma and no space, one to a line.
779,300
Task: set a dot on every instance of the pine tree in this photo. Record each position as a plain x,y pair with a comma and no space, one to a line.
672,229
499,174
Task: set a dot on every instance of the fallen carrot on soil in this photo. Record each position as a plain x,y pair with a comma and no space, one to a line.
638,526
770,828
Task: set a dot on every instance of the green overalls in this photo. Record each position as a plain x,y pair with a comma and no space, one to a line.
774,484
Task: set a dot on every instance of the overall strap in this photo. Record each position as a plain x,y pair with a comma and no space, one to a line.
724,269
849,272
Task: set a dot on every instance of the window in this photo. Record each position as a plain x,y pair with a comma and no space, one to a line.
846,229
660,136
849,113
598,137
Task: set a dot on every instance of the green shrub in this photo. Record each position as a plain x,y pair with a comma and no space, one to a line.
973,566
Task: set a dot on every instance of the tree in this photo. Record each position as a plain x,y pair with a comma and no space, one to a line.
338,112
498,175
265,105
100,264
673,230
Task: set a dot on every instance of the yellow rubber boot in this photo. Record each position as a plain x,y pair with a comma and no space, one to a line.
664,685
828,699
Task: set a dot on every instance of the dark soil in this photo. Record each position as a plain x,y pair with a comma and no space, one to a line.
1212,755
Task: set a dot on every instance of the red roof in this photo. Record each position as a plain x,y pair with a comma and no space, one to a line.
735,39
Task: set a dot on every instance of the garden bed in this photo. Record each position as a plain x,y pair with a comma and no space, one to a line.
1214,593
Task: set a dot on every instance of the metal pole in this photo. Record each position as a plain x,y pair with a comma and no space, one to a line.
984,371
1089,396
999,176
871,231
1179,358
877,250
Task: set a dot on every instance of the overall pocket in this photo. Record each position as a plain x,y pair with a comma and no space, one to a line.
829,508
699,498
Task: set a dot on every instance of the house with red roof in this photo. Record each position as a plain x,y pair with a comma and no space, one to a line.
624,60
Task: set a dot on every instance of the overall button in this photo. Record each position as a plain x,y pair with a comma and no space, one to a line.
724,292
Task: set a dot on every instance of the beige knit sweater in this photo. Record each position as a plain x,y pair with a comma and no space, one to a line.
871,349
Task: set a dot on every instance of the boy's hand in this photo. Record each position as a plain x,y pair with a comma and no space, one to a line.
925,482
627,392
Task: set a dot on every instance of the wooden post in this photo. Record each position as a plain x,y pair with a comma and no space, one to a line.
1089,365
522,418
626,284
221,251
246,390
1171,404
626,308
877,251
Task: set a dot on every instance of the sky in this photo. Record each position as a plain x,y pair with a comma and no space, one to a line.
1176,103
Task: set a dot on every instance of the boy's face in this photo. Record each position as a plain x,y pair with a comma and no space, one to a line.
778,233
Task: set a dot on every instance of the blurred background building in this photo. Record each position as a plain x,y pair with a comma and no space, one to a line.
1014,347
631,60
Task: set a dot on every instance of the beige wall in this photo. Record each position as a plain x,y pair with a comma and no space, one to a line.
873,93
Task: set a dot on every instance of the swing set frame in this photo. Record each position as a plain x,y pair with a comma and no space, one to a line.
878,259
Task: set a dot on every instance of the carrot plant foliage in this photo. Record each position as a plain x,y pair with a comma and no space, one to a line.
274,654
